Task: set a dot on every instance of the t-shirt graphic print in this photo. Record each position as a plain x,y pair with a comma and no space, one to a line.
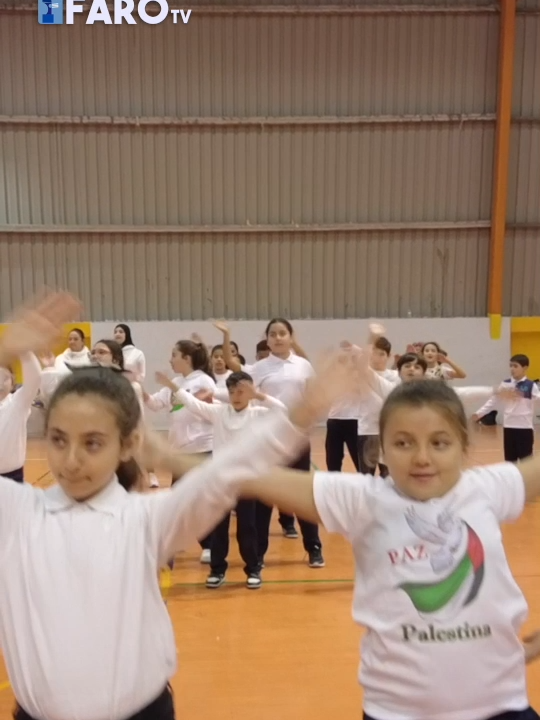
455,555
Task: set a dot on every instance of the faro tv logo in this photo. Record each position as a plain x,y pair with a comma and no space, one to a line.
51,12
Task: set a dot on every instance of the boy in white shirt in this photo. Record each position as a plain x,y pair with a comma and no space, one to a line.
369,409
230,419
519,395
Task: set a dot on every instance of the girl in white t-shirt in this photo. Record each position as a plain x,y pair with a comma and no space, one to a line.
439,365
433,587
187,432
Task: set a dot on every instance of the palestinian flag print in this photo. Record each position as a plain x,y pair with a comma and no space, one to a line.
446,597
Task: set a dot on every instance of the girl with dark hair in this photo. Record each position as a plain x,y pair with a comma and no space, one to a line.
284,375
439,365
187,431
76,354
134,359
85,633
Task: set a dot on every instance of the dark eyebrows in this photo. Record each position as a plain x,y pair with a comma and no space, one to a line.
89,434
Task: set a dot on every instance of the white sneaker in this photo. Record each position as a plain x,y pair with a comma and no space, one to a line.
206,557
153,481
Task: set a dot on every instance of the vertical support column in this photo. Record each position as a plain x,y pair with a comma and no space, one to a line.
501,164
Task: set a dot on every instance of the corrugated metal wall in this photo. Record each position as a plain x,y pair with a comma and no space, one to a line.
312,165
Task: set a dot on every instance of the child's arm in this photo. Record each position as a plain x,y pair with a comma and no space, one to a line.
204,410
232,362
476,393
31,370
531,643
456,373
269,402
490,405
159,400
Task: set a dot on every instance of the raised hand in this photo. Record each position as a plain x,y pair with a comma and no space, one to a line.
376,331
37,326
337,375
222,326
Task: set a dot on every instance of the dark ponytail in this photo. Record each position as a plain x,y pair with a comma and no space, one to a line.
129,474
200,359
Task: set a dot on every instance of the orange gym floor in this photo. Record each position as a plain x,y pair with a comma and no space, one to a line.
289,650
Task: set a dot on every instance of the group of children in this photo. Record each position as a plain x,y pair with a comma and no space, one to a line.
433,588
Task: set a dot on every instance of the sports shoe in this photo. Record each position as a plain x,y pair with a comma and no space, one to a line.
316,559
215,580
253,581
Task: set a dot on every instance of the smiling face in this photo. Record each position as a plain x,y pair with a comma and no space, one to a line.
430,353
424,438
84,444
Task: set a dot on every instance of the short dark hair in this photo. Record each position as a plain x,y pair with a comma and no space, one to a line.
382,343
520,359
262,346
236,378
409,358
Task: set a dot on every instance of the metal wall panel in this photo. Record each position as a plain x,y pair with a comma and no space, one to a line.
526,96
251,66
522,273
278,175
524,181
253,276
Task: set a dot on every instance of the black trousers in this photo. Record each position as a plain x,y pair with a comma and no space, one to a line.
206,542
246,535
17,475
162,708
338,434
518,443
528,714
310,532
368,455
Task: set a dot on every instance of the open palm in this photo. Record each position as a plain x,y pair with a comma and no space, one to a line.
36,326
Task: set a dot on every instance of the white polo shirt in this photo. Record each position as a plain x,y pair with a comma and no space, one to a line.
282,379
226,421
83,628
434,591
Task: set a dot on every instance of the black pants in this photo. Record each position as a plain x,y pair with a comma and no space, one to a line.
246,535
369,449
338,434
528,714
162,708
518,443
310,532
17,475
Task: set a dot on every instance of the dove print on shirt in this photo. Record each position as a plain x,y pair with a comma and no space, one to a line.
456,558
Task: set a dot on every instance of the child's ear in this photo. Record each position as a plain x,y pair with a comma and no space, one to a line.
131,446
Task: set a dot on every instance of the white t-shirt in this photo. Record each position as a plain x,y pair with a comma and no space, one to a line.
187,431
134,362
370,405
434,591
